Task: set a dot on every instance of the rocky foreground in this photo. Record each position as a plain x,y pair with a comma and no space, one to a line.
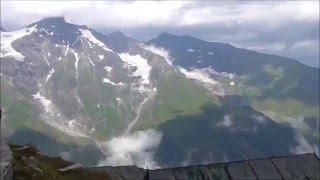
25,162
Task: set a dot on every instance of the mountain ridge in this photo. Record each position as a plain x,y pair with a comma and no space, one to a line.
190,37
61,19
167,35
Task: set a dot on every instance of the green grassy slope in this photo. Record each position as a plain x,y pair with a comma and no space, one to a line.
176,96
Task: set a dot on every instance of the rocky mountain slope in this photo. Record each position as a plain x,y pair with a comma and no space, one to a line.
109,99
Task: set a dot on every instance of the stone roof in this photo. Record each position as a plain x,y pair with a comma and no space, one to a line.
304,166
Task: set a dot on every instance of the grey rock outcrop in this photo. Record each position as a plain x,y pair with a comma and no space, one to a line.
6,162
32,163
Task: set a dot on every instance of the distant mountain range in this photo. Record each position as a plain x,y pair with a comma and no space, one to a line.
109,99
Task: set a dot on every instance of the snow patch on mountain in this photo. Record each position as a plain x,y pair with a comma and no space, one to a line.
100,57
204,77
90,37
7,38
108,68
76,63
67,50
49,75
211,71
46,103
108,81
143,69
198,74
91,62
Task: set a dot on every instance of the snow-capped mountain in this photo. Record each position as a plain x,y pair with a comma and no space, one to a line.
127,102
65,68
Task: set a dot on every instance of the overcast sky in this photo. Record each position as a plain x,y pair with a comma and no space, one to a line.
288,28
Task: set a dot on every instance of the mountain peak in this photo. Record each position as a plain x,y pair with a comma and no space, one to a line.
120,41
165,34
185,40
168,35
58,20
54,19
57,27
117,34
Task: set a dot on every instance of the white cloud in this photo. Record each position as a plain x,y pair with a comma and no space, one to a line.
120,14
260,119
142,13
302,147
136,149
226,121
161,51
274,14
268,14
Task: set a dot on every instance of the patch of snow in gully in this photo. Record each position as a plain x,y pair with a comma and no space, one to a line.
143,68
